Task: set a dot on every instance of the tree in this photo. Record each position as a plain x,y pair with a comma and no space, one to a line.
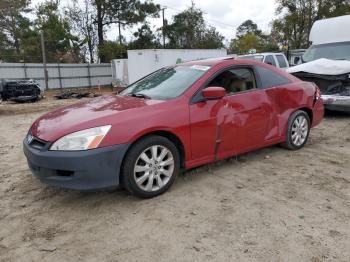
211,39
248,27
245,43
81,20
145,38
294,26
124,13
113,50
250,37
189,30
59,40
14,24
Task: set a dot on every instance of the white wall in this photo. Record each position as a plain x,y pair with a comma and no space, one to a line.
120,72
144,62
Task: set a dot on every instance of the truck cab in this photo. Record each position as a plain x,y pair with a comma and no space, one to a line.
327,62
330,39
276,59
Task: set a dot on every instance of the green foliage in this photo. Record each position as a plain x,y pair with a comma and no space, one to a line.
145,38
13,25
130,12
250,37
245,43
211,39
57,32
113,50
80,16
248,27
189,30
124,13
294,26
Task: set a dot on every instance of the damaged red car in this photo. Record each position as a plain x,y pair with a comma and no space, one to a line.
177,118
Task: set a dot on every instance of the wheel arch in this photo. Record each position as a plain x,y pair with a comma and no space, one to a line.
170,136
309,113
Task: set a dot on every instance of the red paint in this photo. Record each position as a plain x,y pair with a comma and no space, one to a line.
213,92
209,130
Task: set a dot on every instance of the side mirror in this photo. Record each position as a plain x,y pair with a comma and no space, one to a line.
213,93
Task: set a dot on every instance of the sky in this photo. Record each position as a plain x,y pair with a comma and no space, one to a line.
225,15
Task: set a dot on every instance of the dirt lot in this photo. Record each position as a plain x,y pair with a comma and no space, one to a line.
269,205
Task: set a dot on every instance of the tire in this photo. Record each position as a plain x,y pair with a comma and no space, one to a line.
147,176
298,130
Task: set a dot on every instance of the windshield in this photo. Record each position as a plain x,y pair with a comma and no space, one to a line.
166,83
334,51
253,57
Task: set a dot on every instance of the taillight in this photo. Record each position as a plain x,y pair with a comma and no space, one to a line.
317,93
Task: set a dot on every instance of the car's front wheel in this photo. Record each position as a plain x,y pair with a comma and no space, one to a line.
151,166
298,130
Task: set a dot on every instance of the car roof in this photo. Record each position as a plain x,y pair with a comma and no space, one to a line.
266,53
209,61
222,60
227,61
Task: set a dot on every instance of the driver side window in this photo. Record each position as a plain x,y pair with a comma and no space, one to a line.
235,80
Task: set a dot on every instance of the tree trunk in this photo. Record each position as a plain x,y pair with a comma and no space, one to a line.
100,31
91,50
120,34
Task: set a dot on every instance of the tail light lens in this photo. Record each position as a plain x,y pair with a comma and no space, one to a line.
317,93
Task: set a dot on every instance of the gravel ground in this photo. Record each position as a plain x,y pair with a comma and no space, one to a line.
268,205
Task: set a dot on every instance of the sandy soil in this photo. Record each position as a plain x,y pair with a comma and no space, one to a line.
268,205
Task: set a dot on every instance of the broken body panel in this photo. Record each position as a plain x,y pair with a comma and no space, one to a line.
333,79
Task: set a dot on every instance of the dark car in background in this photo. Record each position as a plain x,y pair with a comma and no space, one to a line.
20,90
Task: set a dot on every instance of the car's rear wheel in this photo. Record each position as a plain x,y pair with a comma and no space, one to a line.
298,130
151,166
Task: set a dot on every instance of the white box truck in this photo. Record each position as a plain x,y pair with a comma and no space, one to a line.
327,62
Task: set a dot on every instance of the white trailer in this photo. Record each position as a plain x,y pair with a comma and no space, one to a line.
120,72
143,62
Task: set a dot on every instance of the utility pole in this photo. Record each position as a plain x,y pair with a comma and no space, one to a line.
163,14
120,33
44,61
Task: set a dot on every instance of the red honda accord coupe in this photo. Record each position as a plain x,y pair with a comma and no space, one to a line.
176,118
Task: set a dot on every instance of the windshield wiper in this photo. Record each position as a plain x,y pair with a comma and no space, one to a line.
140,95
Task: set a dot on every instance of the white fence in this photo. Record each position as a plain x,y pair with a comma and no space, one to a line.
60,75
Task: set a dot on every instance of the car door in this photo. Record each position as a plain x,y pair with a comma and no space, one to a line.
273,84
282,61
233,124
269,59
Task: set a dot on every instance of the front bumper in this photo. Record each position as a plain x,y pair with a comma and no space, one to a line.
88,170
337,103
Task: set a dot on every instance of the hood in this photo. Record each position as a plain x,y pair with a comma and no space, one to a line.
91,113
322,67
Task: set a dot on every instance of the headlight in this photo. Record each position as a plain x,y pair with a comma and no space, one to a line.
82,140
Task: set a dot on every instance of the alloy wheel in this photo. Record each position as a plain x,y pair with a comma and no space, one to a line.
300,130
154,168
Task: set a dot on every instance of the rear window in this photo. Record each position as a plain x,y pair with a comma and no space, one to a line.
270,79
282,61
270,60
